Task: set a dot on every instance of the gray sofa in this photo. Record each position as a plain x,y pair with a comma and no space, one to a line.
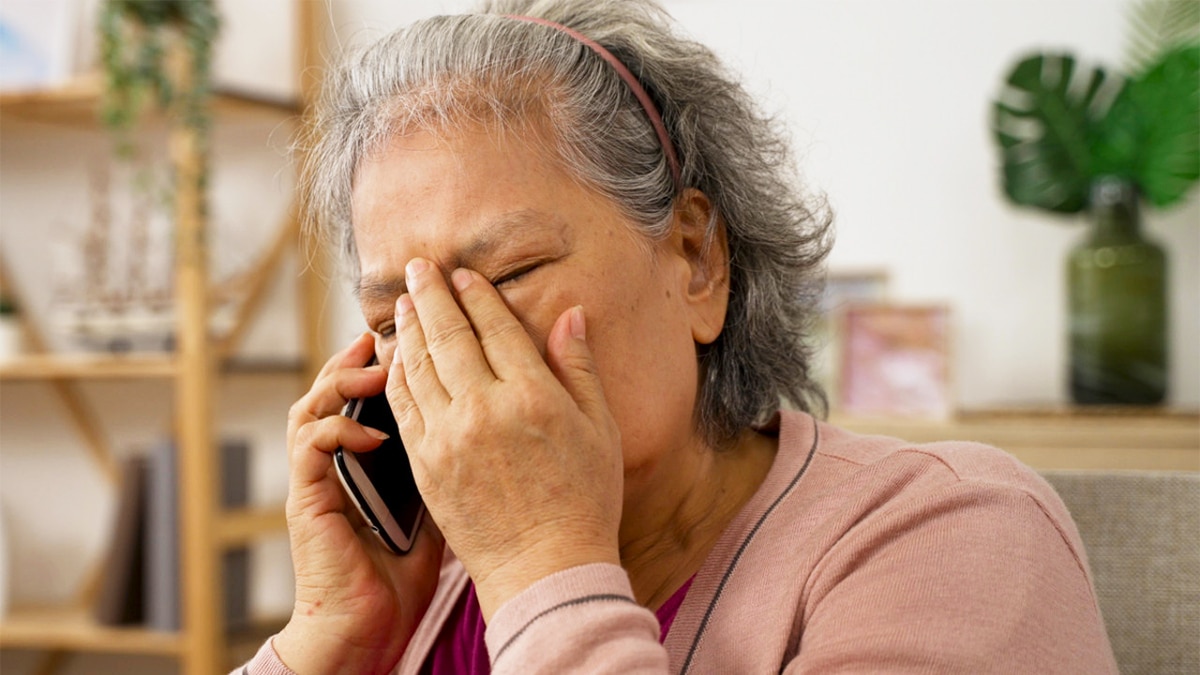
1142,534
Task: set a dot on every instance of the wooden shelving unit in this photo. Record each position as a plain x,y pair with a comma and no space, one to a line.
243,526
89,367
75,104
203,646
73,629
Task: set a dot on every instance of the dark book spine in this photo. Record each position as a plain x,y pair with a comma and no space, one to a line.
120,600
235,562
162,547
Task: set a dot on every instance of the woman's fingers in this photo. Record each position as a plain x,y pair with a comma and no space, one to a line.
311,493
316,404
442,357
404,408
342,386
355,355
316,441
504,341
570,358
329,395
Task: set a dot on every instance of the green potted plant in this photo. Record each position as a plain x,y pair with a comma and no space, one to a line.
1075,138
139,41
156,59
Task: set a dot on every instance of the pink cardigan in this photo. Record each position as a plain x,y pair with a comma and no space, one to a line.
857,554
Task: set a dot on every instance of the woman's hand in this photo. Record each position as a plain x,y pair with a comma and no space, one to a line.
518,458
357,604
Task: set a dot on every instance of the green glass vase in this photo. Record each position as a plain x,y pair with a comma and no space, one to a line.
1117,296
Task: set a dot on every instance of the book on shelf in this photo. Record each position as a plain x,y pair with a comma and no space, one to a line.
121,598
162,539
235,562
142,582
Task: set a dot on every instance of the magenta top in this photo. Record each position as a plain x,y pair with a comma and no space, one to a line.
460,647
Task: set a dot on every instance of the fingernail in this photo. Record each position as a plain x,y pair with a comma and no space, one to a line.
578,325
415,269
375,433
461,279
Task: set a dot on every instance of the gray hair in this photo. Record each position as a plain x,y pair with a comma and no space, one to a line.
485,67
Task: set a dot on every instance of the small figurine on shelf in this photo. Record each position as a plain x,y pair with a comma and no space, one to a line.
118,298
114,292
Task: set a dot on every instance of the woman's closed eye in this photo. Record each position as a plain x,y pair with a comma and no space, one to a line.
515,274
385,330
385,327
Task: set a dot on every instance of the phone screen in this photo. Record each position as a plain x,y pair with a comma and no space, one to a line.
380,482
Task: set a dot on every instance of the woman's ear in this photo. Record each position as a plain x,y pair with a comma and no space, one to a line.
699,239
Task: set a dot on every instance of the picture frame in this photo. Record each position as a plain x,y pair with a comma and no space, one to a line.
853,286
843,287
895,361
38,42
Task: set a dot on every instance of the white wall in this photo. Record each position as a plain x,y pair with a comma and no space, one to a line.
888,102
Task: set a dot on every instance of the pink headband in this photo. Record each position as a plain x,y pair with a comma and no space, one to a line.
630,80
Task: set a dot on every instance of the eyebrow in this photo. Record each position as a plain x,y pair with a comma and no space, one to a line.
490,237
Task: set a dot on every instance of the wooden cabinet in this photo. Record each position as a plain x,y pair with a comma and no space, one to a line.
1064,438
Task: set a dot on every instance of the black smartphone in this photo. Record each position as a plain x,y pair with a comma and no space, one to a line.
380,482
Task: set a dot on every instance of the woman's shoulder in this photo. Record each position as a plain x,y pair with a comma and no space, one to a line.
836,453
857,539
892,473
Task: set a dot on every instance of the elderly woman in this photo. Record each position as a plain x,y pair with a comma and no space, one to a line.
586,271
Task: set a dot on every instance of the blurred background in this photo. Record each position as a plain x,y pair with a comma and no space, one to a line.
889,104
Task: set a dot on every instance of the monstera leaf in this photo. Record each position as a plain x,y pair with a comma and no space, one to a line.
1047,122
1166,102
1061,125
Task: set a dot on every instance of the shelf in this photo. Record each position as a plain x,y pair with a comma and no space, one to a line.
131,366
1062,438
245,642
88,366
243,526
1081,412
77,104
262,366
74,629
